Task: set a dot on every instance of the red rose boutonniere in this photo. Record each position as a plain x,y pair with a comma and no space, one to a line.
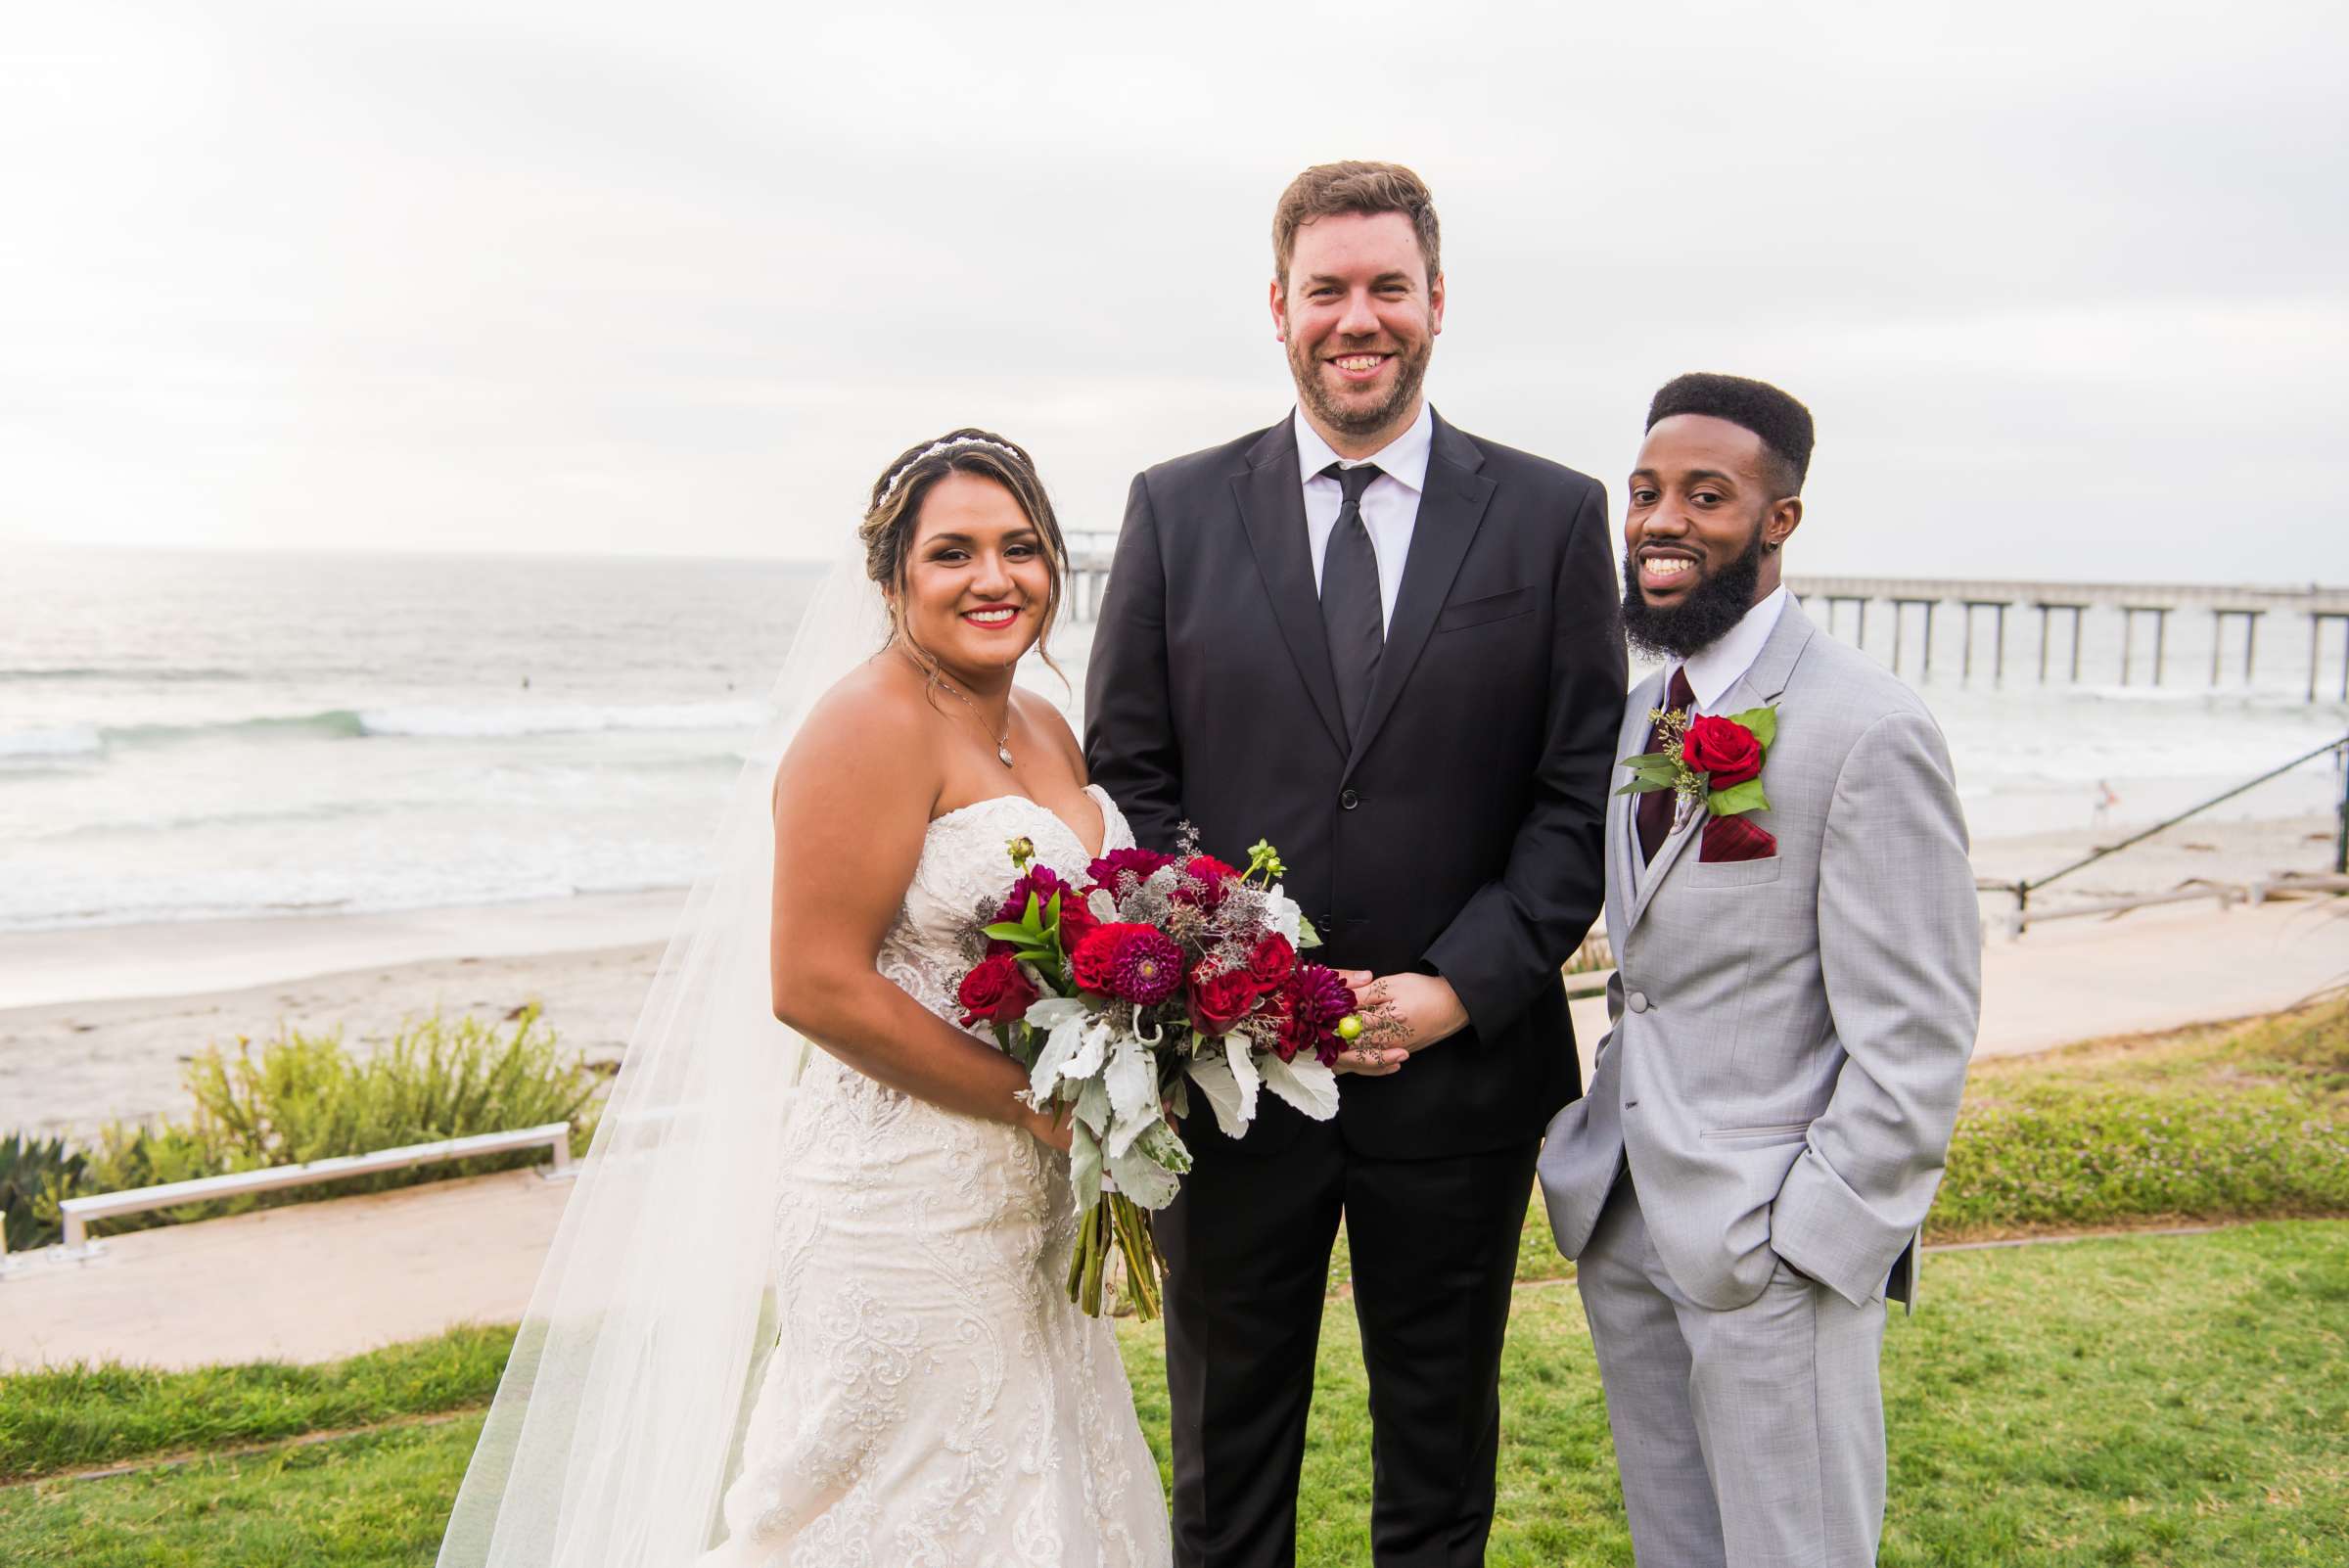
1707,760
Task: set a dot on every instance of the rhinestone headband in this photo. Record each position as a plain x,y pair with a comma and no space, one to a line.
932,450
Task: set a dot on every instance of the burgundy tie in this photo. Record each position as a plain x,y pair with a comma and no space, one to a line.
1655,807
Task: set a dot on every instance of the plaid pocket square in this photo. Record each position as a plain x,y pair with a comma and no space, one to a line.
1736,838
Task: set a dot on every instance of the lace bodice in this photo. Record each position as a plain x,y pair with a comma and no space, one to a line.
965,863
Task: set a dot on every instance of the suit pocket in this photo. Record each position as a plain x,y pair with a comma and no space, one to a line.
1719,874
1774,1132
1476,612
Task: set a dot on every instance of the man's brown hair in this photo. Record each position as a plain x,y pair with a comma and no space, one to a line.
1329,189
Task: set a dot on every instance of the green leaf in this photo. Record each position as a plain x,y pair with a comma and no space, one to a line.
1642,786
1010,930
1307,936
1738,799
1763,721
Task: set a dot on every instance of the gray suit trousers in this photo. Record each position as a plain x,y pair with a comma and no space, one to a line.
1752,1438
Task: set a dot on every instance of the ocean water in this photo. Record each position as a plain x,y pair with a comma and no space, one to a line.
188,736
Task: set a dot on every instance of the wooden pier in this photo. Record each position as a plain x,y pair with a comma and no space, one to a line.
2064,617
2067,633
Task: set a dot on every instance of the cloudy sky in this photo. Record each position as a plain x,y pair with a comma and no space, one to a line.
2065,285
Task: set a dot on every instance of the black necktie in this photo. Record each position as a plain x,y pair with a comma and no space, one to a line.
1352,612
1655,807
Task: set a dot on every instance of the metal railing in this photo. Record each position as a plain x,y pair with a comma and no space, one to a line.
78,1213
2226,895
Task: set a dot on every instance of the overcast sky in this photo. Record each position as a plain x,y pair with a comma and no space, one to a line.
2064,285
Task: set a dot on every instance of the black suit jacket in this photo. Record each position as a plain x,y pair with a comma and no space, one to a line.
1459,834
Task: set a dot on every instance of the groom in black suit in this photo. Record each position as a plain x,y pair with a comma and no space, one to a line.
1392,649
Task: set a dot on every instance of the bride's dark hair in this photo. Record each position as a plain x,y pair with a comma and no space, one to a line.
896,511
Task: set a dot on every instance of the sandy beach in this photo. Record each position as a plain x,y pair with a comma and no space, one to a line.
96,1023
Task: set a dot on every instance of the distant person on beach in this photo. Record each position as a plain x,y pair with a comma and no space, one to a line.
1798,979
1391,647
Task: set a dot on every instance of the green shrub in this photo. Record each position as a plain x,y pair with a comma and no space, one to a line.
28,1167
2211,1125
305,1098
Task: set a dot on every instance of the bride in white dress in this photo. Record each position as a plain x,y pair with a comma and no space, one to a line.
932,1396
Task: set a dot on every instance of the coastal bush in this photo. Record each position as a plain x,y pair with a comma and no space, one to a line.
305,1098
30,1166
2210,1124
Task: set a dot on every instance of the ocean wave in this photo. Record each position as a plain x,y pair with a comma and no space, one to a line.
63,673
557,718
76,741
445,722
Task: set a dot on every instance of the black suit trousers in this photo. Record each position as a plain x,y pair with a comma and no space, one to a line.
1432,1245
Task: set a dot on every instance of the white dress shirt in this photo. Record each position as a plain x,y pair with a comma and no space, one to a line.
1712,671
1390,506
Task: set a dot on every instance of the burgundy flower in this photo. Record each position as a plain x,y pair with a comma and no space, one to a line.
1318,997
994,993
1218,1001
1149,966
1271,961
1042,882
1077,922
1093,961
1141,862
1205,881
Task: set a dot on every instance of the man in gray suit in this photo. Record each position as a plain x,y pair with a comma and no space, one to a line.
1797,985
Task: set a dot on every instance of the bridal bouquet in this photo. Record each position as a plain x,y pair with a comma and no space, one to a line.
1157,976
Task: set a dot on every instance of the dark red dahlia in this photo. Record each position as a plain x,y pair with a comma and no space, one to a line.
1093,961
1318,997
1149,966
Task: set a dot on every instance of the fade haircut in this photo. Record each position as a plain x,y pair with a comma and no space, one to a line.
1784,424
1329,189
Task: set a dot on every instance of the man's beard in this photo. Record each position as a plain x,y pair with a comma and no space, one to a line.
1717,602
1410,369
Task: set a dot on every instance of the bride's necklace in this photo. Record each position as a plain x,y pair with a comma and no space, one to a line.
1002,741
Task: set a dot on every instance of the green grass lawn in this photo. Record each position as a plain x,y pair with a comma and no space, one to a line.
2163,1401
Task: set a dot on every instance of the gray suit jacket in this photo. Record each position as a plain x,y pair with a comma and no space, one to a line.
1790,1034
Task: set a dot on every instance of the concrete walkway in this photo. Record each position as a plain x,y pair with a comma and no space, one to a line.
312,1283
326,1280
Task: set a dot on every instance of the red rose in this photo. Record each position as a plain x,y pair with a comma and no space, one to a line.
994,993
1724,750
1093,961
1218,1002
1077,922
1273,961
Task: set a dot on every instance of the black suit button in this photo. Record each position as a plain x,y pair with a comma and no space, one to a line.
1349,800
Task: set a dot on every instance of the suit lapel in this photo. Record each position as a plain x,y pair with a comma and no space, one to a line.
1764,681
1629,739
1452,506
1271,502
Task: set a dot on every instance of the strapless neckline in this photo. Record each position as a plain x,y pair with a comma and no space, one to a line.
1100,799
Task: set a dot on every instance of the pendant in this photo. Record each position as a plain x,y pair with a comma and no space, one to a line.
1003,754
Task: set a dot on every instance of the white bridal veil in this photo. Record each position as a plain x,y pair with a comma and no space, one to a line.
619,1420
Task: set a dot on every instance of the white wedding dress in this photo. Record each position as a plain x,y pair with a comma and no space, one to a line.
934,1399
